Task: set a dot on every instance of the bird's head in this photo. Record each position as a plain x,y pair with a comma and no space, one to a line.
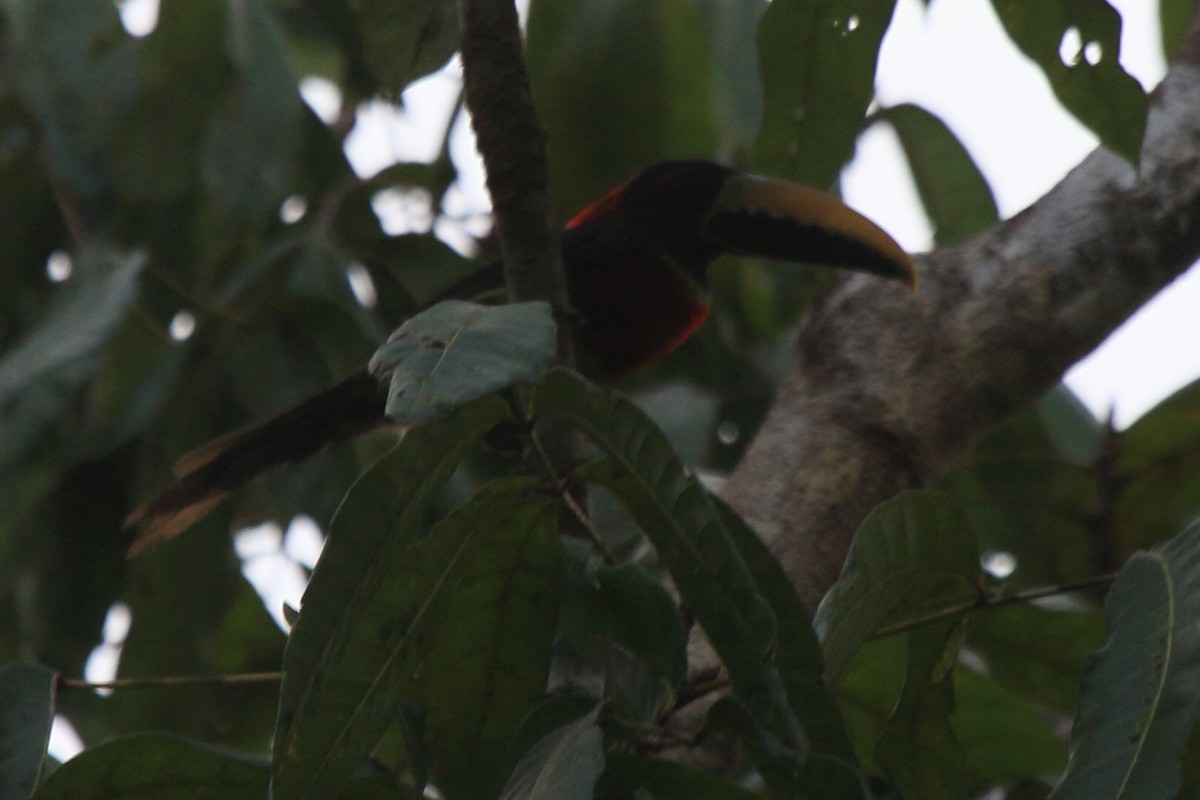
697,210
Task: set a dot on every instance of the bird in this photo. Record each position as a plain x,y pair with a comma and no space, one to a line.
635,263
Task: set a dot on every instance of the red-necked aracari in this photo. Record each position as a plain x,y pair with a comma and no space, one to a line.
635,263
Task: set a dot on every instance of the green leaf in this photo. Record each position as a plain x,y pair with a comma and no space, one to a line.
628,605
157,765
1158,463
563,765
489,663
1173,19
1036,473
1190,761
817,59
627,775
1141,693
457,351
912,555
91,307
254,136
651,59
1037,652
675,511
621,630
1004,736
406,40
381,517
919,751
26,713
384,636
798,656
953,191
1077,43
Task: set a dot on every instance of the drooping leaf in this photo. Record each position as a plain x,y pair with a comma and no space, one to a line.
563,765
157,765
1141,693
674,510
1077,43
817,59
381,516
798,657
912,555
489,663
457,351
381,640
26,714
953,191
918,750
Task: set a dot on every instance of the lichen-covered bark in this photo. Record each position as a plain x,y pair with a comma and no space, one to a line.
888,388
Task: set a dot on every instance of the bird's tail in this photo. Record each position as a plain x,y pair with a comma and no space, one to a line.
209,473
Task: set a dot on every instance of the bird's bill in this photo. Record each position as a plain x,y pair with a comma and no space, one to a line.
777,219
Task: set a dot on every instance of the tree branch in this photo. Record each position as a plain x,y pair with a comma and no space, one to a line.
887,388
513,145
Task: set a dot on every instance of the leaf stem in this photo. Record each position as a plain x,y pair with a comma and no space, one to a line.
231,679
985,601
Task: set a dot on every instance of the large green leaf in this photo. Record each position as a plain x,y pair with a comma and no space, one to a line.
912,555
563,765
675,511
382,515
26,714
1141,693
1158,464
1003,735
1077,43
457,351
150,766
72,67
620,630
489,663
254,135
406,40
817,59
1037,652
619,85
918,750
381,640
953,191
798,657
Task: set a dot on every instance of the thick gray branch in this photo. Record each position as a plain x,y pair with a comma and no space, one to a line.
888,388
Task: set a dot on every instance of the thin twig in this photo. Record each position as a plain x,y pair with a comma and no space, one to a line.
564,491
231,679
984,601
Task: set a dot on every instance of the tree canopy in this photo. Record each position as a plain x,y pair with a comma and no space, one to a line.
927,571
